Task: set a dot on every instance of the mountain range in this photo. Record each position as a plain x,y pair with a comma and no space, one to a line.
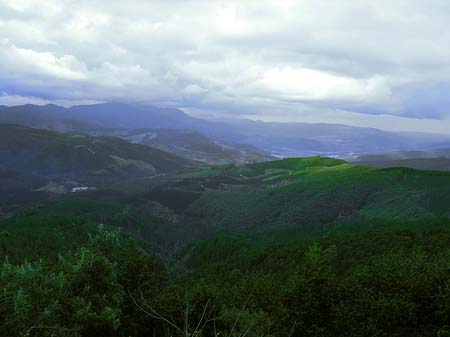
278,139
437,159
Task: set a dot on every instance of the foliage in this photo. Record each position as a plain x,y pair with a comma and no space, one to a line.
299,247
389,281
79,295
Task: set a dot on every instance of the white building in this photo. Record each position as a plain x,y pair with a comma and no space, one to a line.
81,189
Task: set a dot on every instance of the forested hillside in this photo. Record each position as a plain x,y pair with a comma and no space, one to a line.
300,247
391,280
81,157
36,164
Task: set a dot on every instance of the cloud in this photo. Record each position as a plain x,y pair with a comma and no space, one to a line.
11,100
308,84
280,60
45,63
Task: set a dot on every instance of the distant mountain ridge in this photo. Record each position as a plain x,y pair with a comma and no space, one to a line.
171,128
434,164
437,159
401,155
191,144
281,139
89,117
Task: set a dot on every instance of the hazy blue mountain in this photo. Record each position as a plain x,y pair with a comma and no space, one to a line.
191,144
124,121
51,117
127,116
401,155
435,164
437,159
88,117
281,139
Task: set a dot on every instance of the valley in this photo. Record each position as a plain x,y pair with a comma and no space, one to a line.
253,244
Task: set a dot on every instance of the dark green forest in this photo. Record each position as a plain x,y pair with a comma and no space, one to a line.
298,247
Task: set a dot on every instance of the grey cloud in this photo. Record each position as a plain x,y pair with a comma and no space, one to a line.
268,58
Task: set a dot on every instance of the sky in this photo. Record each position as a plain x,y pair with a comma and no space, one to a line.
383,64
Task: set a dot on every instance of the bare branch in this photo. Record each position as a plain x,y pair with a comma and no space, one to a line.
239,316
292,330
201,318
154,314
